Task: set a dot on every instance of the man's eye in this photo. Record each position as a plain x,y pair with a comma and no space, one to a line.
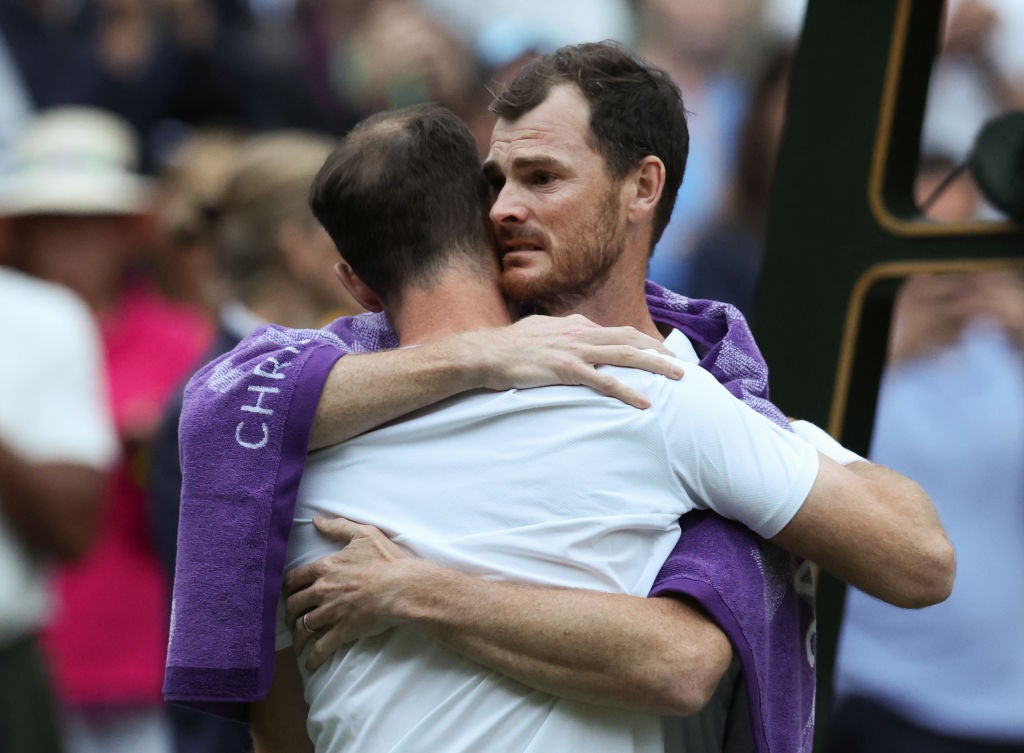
543,179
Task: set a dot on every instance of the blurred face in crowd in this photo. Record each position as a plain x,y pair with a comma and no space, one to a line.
85,253
310,252
700,31
558,215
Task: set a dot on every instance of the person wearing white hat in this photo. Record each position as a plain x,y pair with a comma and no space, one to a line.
56,442
77,211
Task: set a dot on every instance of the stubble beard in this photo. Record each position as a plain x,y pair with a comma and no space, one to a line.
593,244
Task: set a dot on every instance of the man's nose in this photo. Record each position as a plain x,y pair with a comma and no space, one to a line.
508,206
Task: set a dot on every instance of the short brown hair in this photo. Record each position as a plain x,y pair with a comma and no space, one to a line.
401,195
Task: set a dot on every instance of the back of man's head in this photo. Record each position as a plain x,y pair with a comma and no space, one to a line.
403,196
636,109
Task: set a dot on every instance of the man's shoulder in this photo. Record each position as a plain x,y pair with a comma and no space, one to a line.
272,343
370,330
681,347
683,354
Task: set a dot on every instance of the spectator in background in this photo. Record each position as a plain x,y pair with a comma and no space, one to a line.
504,34
189,183
119,55
949,679
399,55
979,73
78,213
279,60
56,444
696,42
547,25
727,258
169,67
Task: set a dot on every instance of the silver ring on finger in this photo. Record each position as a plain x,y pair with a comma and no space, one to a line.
305,625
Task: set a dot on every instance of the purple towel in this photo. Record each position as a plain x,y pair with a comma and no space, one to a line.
244,432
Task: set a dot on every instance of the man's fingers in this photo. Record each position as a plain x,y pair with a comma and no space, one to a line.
581,329
323,647
612,387
608,385
302,634
625,336
300,638
630,357
298,604
339,529
300,577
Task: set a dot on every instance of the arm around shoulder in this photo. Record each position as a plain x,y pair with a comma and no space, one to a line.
364,391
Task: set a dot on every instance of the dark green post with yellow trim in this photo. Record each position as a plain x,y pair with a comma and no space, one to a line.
843,228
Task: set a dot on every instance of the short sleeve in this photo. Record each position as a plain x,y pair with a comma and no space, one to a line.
732,460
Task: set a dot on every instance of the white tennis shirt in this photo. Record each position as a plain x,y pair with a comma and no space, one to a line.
553,485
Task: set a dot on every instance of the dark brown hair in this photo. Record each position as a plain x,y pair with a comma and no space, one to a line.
402,195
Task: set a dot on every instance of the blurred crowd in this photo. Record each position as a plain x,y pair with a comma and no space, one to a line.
154,161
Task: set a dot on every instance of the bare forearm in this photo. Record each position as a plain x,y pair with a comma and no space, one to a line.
53,506
877,531
927,554
655,655
364,391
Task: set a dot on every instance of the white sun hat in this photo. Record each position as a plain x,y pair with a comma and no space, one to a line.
74,160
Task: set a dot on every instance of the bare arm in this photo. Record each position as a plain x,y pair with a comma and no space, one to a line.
876,530
278,722
366,390
53,506
655,655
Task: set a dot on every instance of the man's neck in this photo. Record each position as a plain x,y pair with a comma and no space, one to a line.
457,303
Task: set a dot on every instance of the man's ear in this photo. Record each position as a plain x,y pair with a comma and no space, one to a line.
647,181
358,289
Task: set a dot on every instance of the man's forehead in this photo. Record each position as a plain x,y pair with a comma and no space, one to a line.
523,157
532,142
561,120
537,147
